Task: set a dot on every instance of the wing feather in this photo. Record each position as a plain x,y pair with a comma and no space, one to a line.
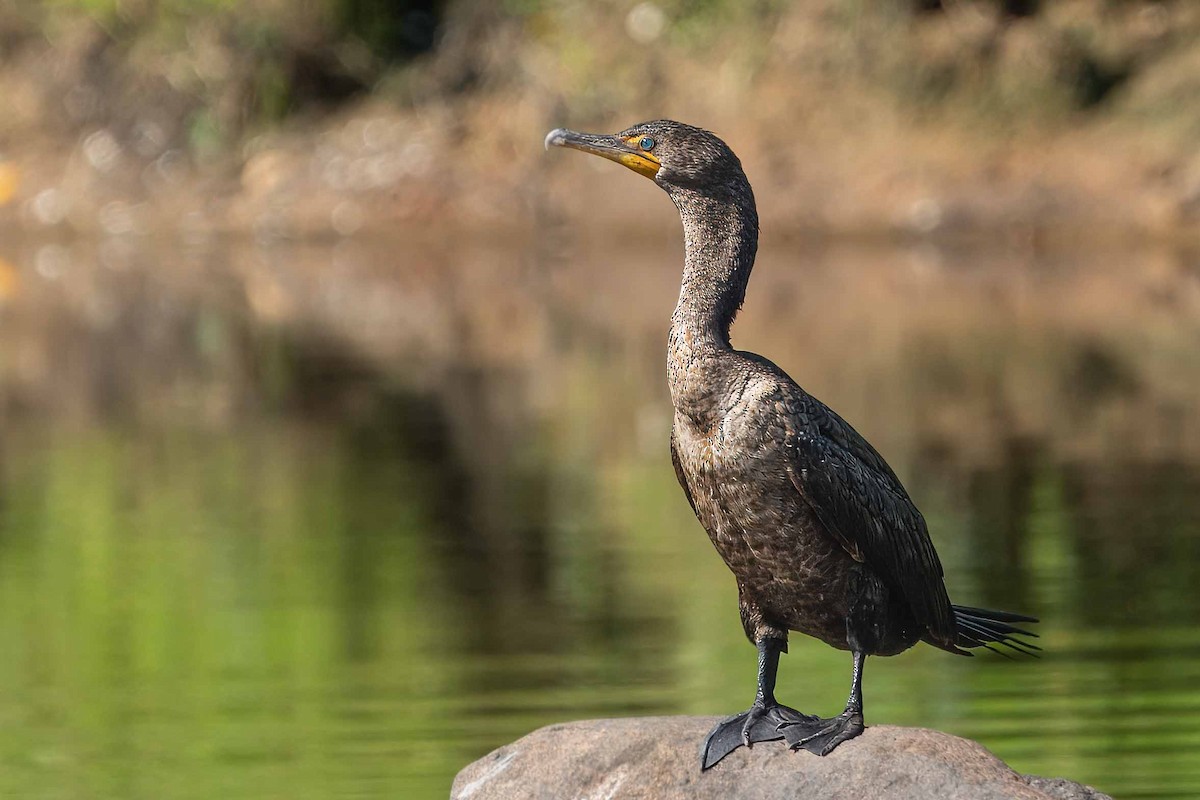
862,504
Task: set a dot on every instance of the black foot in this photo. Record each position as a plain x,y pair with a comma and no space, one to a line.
759,724
820,736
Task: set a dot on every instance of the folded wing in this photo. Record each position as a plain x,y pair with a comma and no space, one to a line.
862,504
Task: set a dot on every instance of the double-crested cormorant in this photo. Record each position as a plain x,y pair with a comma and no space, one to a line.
819,532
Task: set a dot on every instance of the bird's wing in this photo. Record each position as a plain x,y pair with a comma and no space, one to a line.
862,504
687,490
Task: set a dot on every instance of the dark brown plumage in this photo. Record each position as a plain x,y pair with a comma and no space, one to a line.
817,529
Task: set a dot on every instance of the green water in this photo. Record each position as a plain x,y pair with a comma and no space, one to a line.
291,612
362,579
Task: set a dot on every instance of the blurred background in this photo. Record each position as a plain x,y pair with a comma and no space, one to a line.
333,417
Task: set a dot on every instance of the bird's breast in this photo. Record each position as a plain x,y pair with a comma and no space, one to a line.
737,481
763,528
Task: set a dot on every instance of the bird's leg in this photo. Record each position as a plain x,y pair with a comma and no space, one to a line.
854,703
764,719
823,735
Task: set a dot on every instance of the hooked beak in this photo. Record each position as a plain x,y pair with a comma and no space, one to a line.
614,148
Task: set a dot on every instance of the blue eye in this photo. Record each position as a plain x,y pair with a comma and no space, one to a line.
646,143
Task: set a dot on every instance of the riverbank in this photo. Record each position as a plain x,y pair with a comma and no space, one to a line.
1079,117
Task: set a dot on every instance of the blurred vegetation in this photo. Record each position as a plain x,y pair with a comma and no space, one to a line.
349,115
221,66
224,67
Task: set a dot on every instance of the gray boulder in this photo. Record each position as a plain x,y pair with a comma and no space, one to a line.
658,758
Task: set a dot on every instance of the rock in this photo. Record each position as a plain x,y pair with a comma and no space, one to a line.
659,758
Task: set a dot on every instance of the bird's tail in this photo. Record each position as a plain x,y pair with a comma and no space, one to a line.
981,627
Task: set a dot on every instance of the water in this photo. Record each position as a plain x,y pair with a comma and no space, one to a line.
252,546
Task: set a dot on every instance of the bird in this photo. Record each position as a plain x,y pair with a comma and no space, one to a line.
819,533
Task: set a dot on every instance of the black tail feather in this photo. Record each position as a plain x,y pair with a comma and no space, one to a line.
981,627
989,614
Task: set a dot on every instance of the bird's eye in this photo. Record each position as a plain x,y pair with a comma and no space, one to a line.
646,143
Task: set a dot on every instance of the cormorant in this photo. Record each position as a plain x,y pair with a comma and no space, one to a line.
817,529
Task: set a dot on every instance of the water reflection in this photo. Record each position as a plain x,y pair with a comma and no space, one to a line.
276,557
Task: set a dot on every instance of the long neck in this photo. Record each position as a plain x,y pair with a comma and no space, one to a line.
720,241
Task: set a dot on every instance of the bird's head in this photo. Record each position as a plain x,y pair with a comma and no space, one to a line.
673,155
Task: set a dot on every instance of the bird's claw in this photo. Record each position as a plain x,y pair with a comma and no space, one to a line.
756,713
821,736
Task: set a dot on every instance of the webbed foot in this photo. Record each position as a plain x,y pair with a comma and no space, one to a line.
761,723
821,736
